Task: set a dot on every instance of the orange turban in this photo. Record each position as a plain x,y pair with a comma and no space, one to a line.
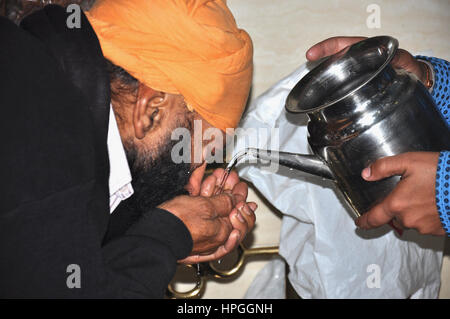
188,47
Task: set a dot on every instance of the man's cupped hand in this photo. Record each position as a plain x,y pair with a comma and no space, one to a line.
217,223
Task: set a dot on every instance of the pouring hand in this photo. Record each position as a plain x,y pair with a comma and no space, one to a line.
402,60
412,203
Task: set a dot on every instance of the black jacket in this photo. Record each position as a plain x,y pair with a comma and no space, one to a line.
54,168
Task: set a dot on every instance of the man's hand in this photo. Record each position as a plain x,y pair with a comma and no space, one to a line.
412,203
402,60
206,219
241,216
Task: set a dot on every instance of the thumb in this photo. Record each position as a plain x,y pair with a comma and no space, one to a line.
195,181
385,167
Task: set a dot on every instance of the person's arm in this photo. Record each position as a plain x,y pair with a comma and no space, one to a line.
143,261
162,237
441,95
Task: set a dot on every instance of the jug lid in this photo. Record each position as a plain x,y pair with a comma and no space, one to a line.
341,74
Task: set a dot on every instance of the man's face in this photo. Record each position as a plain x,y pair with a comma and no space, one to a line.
156,177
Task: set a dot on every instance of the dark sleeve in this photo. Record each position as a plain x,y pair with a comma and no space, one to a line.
41,242
143,261
441,96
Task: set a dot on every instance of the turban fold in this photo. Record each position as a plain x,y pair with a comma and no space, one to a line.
188,47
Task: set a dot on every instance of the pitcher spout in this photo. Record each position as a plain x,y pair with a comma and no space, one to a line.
310,164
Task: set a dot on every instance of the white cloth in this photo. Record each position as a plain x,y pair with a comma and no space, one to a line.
119,177
271,283
327,256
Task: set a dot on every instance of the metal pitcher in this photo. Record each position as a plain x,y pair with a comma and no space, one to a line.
361,109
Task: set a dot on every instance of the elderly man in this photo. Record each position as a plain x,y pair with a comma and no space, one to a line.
88,116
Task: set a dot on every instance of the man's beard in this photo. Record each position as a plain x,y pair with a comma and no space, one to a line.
156,178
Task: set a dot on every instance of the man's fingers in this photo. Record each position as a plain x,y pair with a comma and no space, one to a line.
218,173
231,243
243,217
231,181
238,221
253,206
386,167
208,186
247,210
223,203
240,192
231,231
195,181
330,46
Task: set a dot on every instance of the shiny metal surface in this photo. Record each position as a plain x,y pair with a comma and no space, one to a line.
360,109
341,74
307,163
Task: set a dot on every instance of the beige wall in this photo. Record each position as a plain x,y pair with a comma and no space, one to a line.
282,30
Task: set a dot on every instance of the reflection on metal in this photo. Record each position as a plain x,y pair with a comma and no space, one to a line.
190,294
205,270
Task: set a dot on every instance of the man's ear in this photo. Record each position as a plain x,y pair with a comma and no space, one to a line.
148,110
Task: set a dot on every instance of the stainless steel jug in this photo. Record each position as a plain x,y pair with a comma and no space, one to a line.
361,109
